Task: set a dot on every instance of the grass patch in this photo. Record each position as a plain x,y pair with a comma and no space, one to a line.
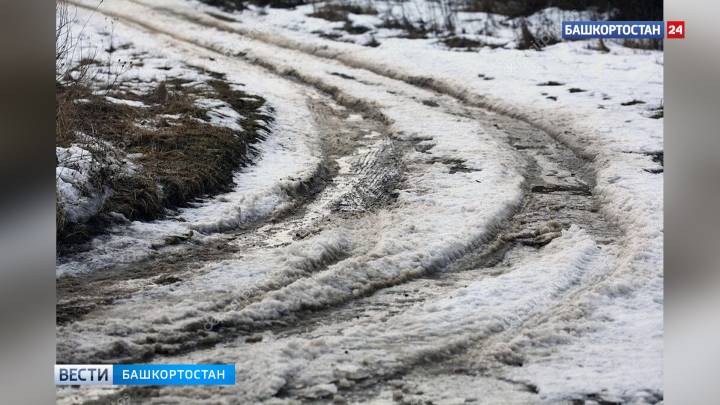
180,156
650,44
372,43
227,5
278,3
632,102
239,5
465,43
365,9
526,39
355,29
599,46
640,10
551,83
331,12
657,113
339,11
403,24
329,35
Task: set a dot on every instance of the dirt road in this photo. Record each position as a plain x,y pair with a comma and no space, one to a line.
431,248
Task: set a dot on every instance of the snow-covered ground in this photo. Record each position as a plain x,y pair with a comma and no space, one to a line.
287,159
392,19
586,317
458,210
74,188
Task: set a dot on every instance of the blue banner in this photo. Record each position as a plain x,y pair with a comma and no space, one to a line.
173,374
613,29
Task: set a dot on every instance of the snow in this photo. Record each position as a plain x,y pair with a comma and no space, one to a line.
492,29
459,209
595,124
130,103
407,244
613,346
78,197
221,114
485,307
287,159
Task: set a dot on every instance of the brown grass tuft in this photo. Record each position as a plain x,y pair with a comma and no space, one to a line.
180,159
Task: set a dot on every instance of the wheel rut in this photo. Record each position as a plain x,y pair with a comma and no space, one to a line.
316,201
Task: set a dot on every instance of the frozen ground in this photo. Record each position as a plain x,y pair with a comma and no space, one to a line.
492,217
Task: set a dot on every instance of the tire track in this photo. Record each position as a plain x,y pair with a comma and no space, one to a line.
93,292
122,351
84,293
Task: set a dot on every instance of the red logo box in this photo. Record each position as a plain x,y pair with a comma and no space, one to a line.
675,29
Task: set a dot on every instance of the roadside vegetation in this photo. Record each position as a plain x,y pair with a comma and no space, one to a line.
234,5
132,151
624,9
447,20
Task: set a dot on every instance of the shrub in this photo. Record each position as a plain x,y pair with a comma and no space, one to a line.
238,5
625,9
526,39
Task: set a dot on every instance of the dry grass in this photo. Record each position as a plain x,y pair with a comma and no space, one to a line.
411,30
237,5
330,12
626,9
278,3
466,43
526,39
339,11
599,46
181,159
654,44
227,5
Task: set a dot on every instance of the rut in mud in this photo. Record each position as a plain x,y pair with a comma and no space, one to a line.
539,218
368,188
557,194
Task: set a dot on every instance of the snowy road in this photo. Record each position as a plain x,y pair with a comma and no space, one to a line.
393,242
